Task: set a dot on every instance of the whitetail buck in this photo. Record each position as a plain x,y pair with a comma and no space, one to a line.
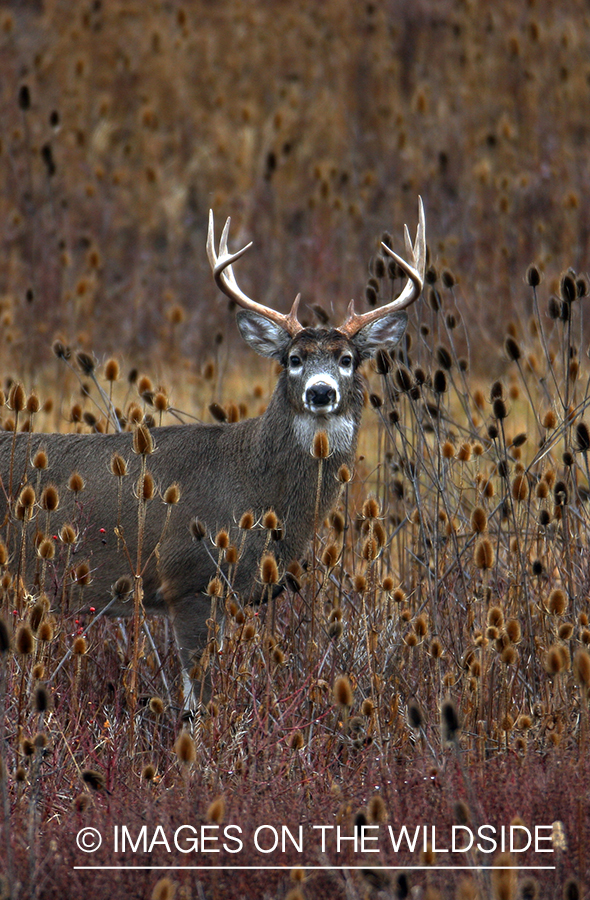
223,470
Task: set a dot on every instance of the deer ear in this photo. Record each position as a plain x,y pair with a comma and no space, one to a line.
264,336
385,332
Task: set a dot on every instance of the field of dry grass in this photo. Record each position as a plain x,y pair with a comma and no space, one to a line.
445,678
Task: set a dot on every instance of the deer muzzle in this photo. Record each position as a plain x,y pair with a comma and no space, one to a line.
321,395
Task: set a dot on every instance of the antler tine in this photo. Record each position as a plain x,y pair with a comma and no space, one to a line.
415,271
221,266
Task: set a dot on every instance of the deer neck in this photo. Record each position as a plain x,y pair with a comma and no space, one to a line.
283,446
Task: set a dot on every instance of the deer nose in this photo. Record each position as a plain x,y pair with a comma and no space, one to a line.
321,394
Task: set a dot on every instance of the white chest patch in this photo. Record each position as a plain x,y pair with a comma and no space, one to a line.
340,431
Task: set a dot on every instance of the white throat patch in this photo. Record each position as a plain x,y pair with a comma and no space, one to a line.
340,430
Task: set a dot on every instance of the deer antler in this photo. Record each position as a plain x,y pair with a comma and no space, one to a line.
412,290
221,266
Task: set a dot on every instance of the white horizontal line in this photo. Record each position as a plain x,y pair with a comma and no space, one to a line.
326,868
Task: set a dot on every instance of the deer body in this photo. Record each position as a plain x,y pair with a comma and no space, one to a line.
222,470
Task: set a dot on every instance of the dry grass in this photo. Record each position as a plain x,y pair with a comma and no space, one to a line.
455,567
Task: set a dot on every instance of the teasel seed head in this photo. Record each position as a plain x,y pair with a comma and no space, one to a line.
444,358
464,453
5,642
370,549
479,520
198,529
462,813
415,715
40,460
247,521
122,588
499,408
143,443
17,397
382,362
68,534
86,362
421,626
582,668
269,571
41,699
553,661
448,279
344,475
557,602
571,890
335,630
46,549
215,588
156,706
512,349
76,483
83,576
50,498
436,648
568,289
520,488
504,880
45,631
112,370
450,721
320,446
336,521
79,647
172,495
222,539
330,556
216,811
439,382
185,748
81,802
513,630
24,641
217,412
95,780
371,508
533,276
161,402
542,490
509,655
342,692
484,555
270,520
582,437
27,497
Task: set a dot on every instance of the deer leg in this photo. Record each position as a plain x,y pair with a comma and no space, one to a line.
189,617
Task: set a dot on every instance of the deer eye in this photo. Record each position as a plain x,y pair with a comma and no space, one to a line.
346,361
295,361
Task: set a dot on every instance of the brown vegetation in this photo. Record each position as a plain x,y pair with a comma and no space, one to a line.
430,665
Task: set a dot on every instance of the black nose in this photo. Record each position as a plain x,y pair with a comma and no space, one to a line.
321,395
